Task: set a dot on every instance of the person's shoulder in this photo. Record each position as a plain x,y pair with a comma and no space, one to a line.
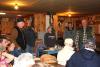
75,55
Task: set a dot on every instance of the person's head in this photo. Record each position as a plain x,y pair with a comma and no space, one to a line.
46,58
70,25
20,22
49,29
28,22
24,60
84,23
4,41
90,44
66,24
68,42
11,47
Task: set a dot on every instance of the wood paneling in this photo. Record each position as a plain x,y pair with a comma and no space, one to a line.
7,25
39,22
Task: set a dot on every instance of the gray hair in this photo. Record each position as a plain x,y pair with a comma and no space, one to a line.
90,44
24,60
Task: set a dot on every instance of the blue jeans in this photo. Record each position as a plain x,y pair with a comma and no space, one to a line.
29,49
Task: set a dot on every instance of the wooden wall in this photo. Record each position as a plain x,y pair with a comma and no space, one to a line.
6,25
39,22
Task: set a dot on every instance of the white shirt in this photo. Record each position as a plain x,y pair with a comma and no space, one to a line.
64,55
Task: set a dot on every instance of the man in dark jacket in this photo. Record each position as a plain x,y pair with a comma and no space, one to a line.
85,57
21,37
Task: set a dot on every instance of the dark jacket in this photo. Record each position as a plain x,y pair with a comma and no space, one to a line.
49,39
21,39
30,36
69,34
84,58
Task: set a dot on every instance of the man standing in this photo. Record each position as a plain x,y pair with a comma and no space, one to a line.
69,31
30,37
21,37
84,33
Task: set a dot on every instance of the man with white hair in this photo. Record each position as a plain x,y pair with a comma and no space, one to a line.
65,54
24,60
86,57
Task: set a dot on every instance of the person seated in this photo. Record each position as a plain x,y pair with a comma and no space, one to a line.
49,38
24,60
86,57
39,47
12,49
5,59
65,54
4,41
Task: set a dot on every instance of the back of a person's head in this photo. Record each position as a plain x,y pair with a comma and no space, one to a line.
90,44
24,60
46,58
68,42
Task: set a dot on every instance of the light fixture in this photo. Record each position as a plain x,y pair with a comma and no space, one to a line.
69,15
19,15
2,13
16,7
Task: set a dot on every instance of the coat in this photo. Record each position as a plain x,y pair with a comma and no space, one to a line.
84,58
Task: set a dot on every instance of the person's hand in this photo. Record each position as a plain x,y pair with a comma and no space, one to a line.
4,53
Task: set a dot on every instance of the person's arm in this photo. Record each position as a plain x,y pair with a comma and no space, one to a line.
45,39
8,56
76,40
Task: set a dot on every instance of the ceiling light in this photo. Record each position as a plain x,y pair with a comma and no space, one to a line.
69,15
19,15
16,7
2,13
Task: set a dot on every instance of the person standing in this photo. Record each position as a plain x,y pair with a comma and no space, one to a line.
21,37
83,33
30,37
69,31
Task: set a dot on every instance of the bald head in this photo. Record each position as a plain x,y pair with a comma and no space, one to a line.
84,23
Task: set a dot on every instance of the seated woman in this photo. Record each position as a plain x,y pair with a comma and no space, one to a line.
39,47
12,49
5,58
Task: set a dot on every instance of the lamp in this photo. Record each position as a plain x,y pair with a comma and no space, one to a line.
16,7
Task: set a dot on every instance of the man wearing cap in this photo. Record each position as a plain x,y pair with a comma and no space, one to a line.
21,37
86,57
